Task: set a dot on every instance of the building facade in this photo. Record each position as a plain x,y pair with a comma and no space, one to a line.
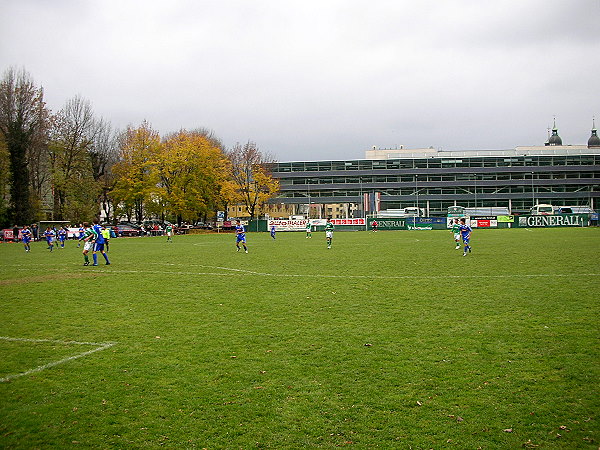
562,175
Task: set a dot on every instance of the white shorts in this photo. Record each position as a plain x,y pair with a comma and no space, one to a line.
88,245
169,233
457,236
329,234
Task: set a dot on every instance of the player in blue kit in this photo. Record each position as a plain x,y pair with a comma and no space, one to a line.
273,231
240,233
465,232
62,236
26,238
99,244
81,235
49,235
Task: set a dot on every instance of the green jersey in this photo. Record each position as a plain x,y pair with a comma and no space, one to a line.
329,226
169,228
88,235
456,228
308,228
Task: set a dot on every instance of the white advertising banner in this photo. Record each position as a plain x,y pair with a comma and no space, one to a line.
288,225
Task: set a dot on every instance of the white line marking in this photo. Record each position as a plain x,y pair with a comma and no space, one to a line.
243,272
100,346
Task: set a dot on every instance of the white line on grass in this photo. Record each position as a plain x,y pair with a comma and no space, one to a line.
100,346
378,277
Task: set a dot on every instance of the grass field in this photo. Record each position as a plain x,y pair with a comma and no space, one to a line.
389,340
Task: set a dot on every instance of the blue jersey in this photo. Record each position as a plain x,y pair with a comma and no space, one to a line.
81,232
62,234
49,235
241,232
97,229
26,235
272,230
465,230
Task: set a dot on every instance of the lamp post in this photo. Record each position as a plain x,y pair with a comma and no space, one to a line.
417,190
475,189
308,186
532,192
362,199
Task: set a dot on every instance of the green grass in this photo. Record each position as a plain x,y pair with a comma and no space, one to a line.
389,339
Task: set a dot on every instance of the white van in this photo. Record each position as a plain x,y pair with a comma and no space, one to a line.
413,211
542,210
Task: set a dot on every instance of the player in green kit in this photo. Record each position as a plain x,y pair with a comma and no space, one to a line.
329,232
308,230
456,233
169,230
87,237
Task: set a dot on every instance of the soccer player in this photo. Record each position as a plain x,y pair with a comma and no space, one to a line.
329,232
169,230
240,233
374,225
88,242
273,231
456,233
308,230
26,237
62,235
99,244
465,231
81,234
49,235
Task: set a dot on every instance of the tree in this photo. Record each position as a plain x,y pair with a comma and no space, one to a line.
22,114
136,181
72,138
252,183
4,183
104,153
192,169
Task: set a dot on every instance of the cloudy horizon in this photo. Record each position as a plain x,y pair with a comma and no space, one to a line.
321,80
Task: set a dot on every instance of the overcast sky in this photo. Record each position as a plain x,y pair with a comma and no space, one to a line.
320,79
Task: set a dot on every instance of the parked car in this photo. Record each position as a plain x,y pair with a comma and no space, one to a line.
128,231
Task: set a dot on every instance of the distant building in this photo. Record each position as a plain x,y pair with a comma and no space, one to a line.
434,179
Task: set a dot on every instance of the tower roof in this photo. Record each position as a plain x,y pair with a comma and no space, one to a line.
594,140
555,138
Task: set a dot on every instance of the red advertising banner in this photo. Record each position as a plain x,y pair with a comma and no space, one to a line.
358,221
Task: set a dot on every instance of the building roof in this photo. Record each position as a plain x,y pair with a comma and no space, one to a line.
594,140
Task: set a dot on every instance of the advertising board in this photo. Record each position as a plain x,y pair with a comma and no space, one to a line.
563,220
484,222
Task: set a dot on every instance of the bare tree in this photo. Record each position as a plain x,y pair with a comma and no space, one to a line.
22,114
104,153
72,137
251,180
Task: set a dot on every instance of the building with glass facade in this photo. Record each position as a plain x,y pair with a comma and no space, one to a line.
517,179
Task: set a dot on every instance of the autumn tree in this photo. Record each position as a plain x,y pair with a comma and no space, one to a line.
192,169
252,184
136,180
22,114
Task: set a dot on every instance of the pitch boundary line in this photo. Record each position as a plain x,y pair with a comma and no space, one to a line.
99,347
243,272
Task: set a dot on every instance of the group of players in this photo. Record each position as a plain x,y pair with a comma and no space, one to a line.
461,230
96,237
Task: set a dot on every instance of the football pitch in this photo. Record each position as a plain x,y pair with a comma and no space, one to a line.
389,339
